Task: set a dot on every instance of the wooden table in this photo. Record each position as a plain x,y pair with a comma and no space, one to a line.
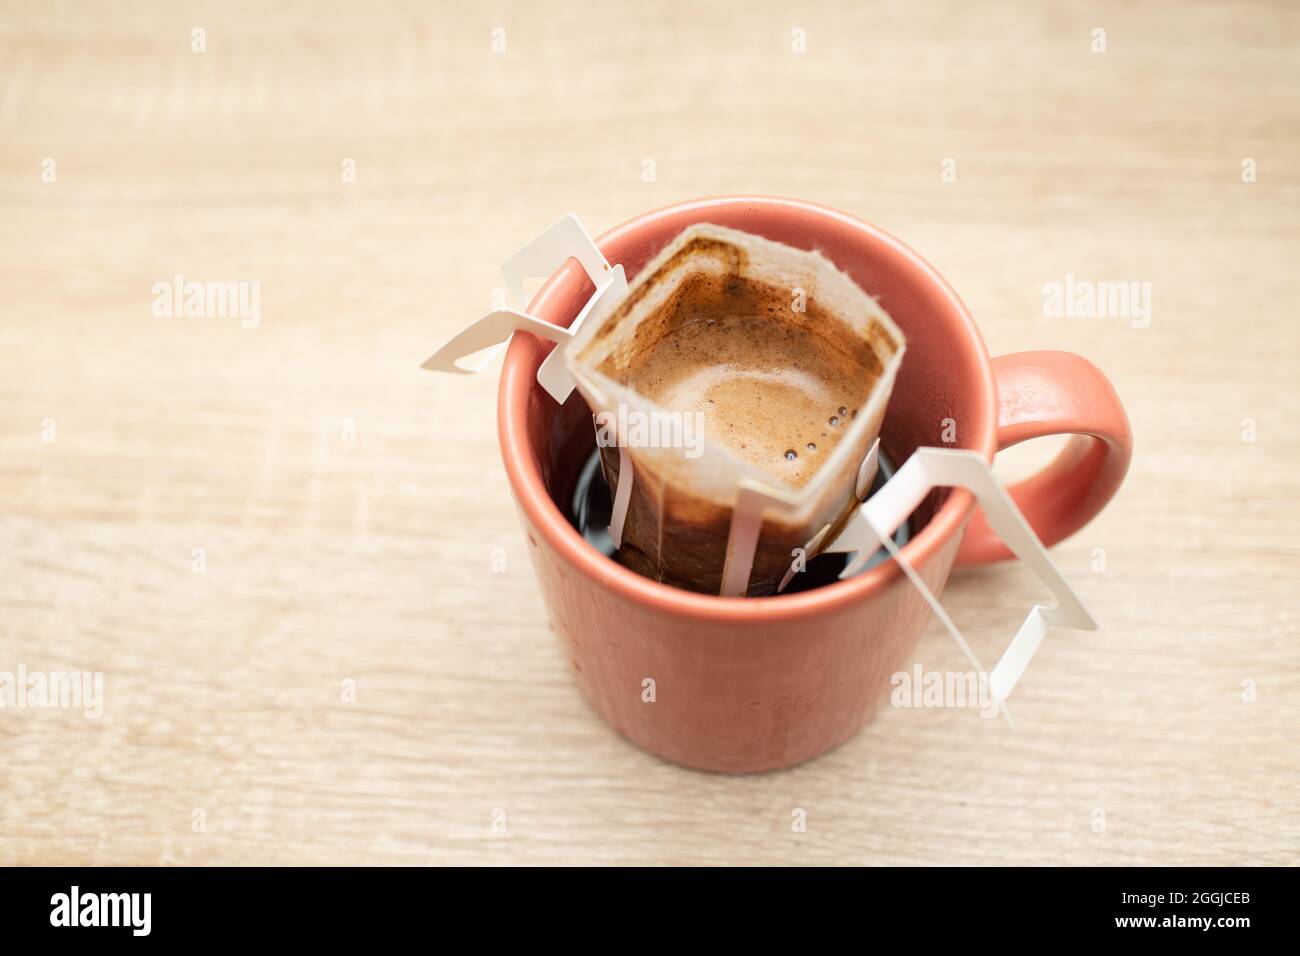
276,542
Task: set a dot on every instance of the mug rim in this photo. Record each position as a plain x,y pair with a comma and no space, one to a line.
518,379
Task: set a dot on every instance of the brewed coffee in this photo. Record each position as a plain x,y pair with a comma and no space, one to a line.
589,506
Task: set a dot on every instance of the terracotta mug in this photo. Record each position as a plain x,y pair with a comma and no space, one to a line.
749,684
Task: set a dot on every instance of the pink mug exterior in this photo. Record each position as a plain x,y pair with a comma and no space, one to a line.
736,684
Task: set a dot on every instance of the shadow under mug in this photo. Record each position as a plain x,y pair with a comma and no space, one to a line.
750,684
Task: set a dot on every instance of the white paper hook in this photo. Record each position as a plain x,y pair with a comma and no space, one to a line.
541,257
564,239
928,468
495,328
742,537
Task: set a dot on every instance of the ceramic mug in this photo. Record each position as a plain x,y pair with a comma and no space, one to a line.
750,684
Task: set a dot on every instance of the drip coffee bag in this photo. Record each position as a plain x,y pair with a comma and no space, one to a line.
737,389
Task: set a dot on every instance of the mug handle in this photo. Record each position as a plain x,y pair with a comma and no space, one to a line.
1055,393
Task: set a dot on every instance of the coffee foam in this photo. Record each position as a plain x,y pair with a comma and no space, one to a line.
779,388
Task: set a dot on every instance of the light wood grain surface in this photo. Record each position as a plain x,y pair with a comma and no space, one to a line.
346,504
